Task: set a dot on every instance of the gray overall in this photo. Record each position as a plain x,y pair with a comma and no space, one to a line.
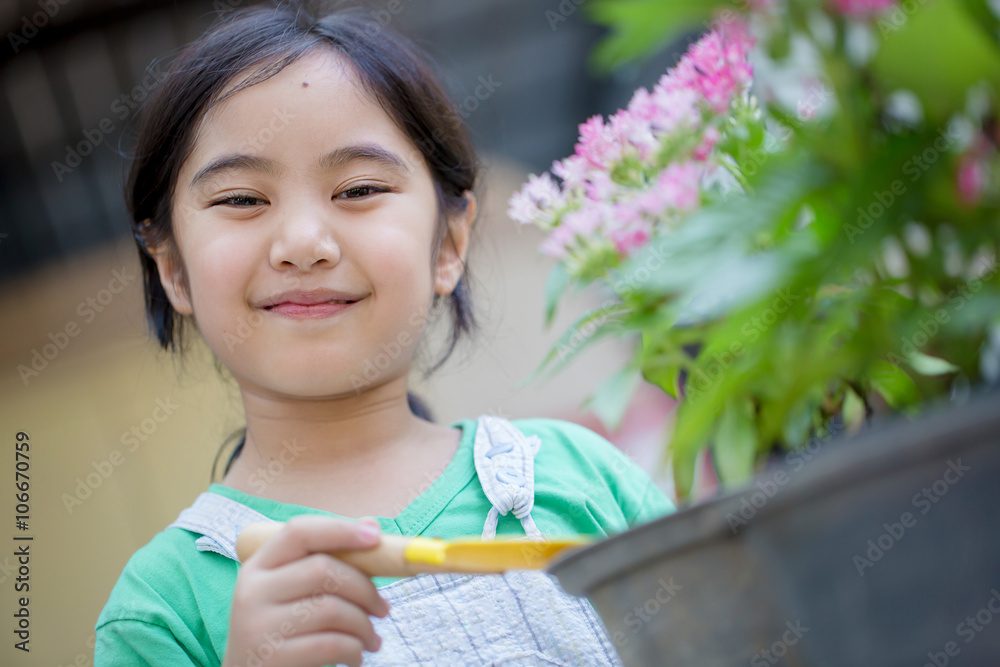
521,617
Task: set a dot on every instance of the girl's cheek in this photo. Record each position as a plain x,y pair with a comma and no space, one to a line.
219,276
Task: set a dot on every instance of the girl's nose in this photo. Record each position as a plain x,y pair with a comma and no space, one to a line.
304,237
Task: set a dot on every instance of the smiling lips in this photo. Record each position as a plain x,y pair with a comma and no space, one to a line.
310,304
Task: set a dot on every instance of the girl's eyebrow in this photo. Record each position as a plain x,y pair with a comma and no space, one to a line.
340,157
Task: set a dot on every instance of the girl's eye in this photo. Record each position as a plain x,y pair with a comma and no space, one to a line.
239,201
360,192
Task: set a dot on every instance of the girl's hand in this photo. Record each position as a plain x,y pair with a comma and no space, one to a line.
296,606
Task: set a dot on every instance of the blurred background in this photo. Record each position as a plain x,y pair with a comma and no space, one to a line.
78,369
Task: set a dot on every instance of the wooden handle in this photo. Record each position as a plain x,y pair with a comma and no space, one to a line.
384,560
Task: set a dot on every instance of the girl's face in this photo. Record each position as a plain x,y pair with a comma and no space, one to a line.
298,191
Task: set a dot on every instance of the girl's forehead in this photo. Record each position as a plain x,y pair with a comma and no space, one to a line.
320,78
317,62
314,104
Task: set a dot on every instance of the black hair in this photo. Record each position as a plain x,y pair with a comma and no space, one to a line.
264,39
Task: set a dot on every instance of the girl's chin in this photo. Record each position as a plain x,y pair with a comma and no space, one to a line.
312,384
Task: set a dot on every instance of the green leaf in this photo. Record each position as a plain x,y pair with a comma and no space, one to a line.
695,419
895,386
683,470
799,420
663,376
928,365
588,328
735,443
661,356
853,410
641,27
555,285
612,399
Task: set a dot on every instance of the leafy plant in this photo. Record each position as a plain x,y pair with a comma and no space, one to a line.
802,217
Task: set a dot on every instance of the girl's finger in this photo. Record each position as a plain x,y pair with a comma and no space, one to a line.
330,613
322,574
325,648
309,534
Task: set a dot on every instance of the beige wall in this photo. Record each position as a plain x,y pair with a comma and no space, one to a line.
109,379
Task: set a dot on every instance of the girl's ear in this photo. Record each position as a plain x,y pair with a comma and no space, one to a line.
451,258
172,276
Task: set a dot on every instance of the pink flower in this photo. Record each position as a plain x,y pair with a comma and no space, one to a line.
600,187
973,170
597,143
716,66
676,189
676,106
625,213
631,237
708,141
643,105
862,7
971,181
557,242
636,131
539,194
685,103
573,170
585,221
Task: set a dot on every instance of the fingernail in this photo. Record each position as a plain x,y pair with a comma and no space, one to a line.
368,531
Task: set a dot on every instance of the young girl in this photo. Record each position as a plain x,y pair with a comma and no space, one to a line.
302,192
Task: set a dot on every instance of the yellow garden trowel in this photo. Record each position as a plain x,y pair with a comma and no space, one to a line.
401,556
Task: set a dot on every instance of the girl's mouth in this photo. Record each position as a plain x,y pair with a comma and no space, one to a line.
301,311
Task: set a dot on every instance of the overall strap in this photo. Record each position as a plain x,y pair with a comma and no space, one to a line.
505,464
219,520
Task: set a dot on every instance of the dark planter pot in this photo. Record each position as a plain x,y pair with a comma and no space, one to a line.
879,550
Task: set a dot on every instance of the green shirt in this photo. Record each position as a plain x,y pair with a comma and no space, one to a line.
171,603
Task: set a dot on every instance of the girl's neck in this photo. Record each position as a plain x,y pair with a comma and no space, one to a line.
327,453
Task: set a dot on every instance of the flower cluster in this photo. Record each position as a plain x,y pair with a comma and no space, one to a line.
645,166
862,7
